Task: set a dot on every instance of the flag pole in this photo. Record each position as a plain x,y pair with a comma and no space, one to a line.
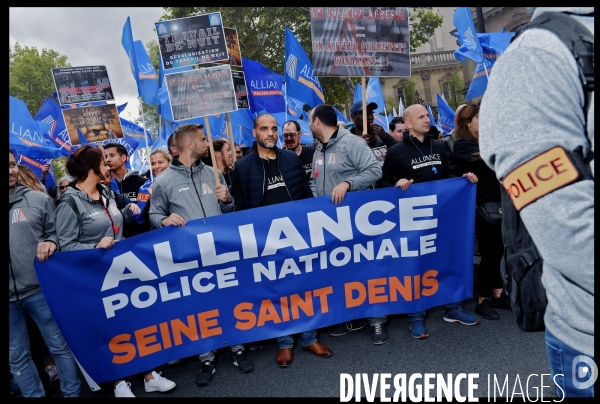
364,102
144,127
230,133
212,150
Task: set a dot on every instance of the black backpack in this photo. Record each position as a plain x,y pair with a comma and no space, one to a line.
522,263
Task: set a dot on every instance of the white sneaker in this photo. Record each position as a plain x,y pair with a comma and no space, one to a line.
123,389
159,383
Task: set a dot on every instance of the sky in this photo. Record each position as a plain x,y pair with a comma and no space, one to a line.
88,36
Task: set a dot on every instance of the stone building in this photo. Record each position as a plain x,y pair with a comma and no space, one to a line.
434,61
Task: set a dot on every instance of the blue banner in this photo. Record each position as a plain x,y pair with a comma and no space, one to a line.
298,72
51,114
466,36
445,115
264,87
36,166
255,275
294,107
27,136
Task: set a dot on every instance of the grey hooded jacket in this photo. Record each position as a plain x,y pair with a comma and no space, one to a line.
534,102
187,191
346,158
31,220
84,231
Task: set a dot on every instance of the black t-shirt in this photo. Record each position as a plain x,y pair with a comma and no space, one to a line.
275,190
306,156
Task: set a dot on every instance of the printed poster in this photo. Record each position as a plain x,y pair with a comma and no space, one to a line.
191,41
201,92
96,124
82,84
360,41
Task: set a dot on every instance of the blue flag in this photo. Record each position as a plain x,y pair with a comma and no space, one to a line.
141,67
128,142
306,137
36,166
493,45
375,94
431,118
445,115
82,139
298,71
467,36
121,108
264,87
29,137
340,116
241,127
136,132
138,163
294,107
357,93
51,114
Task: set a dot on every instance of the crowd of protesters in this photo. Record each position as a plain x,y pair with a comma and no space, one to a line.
126,204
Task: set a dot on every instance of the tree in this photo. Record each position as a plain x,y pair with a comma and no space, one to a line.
454,84
261,29
29,75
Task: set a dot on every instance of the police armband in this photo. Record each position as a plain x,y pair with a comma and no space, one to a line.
546,173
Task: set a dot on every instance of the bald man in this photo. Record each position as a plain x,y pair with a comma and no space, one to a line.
421,158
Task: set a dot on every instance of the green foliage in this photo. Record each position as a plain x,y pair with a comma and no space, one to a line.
423,22
29,74
410,92
454,84
60,168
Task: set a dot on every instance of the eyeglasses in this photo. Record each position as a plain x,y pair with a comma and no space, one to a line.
63,187
286,135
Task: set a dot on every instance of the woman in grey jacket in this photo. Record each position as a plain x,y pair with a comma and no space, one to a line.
87,217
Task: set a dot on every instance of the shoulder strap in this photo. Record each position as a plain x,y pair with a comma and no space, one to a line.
71,202
580,42
576,37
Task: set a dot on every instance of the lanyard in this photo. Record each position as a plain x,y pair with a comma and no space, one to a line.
430,153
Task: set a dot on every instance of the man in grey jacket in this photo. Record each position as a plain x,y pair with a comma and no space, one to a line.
32,233
188,191
534,103
343,162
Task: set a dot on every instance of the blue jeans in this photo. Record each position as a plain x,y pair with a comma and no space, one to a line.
210,355
19,353
306,339
420,315
561,358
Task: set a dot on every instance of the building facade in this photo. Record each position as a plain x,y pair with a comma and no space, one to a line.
433,63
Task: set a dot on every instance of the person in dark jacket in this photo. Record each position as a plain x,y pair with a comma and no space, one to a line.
421,158
489,236
268,176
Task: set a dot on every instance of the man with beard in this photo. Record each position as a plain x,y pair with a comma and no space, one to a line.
268,176
291,139
187,191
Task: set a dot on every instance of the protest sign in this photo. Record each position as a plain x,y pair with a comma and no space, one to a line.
253,275
96,123
360,41
191,41
201,92
241,91
82,84
233,47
